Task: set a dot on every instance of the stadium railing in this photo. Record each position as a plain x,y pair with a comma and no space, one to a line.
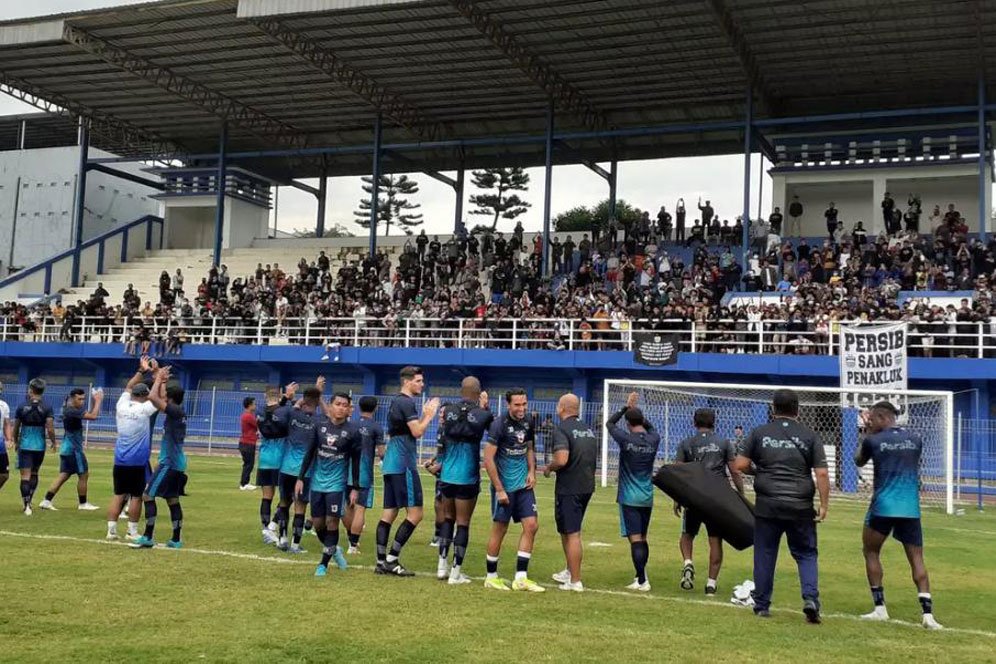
976,340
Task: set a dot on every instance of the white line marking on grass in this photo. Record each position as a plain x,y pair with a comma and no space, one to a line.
431,575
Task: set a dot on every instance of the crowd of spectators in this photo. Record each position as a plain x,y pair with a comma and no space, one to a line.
617,278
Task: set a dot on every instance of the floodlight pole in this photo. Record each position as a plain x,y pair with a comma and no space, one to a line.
748,144
983,154
323,190
80,201
375,187
458,208
220,184
548,180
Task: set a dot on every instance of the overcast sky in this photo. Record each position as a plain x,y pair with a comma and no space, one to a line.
644,184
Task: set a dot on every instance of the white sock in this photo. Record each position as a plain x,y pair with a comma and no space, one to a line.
133,527
711,583
520,576
688,561
112,527
391,558
455,570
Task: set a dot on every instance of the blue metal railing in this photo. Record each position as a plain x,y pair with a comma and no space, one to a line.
99,241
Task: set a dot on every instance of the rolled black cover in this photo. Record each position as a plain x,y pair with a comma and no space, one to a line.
694,487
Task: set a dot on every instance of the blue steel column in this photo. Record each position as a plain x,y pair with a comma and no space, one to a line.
748,144
548,179
80,201
613,180
458,209
375,194
220,186
983,153
323,190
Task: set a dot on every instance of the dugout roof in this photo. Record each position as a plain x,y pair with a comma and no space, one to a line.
314,73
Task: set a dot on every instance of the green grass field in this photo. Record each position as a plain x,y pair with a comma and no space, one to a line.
68,595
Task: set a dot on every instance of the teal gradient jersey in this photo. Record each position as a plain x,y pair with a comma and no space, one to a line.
372,437
32,416
300,433
896,455
513,438
72,425
272,436
171,452
637,453
334,449
401,454
464,425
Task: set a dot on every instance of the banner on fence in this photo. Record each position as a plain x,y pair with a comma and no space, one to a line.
655,349
873,357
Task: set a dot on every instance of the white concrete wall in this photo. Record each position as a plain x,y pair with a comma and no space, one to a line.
46,203
858,192
244,222
190,223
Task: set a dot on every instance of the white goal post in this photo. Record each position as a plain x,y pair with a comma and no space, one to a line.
669,406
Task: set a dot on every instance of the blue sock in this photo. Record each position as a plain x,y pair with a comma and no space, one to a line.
383,534
331,541
151,511
878,595
445,538
298,528
322,531
176,516
264,511
460,541
640,552
491,564
405,531
522,562
282,521
26,492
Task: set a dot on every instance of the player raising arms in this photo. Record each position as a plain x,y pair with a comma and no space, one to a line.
360,490
402,484
510,461
638,444
272,441
72,460
300,422
170,475
464,424
33,422
336,446
895,506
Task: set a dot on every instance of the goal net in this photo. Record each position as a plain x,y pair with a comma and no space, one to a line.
670,406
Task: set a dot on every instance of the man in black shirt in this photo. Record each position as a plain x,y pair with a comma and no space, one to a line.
795,211
557,255
575,450
888,204
786,454
831,216
775,220
717,455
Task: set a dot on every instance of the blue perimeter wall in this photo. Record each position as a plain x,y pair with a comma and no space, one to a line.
545,374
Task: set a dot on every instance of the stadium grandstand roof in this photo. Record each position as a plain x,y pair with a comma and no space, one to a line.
160,76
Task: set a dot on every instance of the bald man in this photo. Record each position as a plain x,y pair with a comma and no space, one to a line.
575,450
464,425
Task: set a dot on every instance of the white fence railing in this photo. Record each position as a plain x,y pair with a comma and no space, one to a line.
976,340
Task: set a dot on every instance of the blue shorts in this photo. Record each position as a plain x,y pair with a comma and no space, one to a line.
73,464
634,520
327,504
521,505
364,497
166,482
691,523
287,484
4,463
568,512
268,477
906,530
459,491
32,459
402,490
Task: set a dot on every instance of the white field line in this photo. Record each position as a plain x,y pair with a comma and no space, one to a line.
599,591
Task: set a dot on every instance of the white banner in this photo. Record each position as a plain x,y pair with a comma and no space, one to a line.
873,357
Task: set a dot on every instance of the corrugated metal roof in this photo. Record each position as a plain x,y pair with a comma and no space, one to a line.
468,70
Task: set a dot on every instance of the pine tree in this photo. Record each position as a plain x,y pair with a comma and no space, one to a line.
392,207
499,203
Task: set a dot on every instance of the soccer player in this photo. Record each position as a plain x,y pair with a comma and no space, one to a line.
575,450
72,460
6,433
248,438
638,444
786,455
336,446
133,446
895,506
717,455
510,461
33,423
170,475
273,441
300,422
464,425
372,438
402,484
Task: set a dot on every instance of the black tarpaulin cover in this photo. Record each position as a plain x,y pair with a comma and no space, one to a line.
692,486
